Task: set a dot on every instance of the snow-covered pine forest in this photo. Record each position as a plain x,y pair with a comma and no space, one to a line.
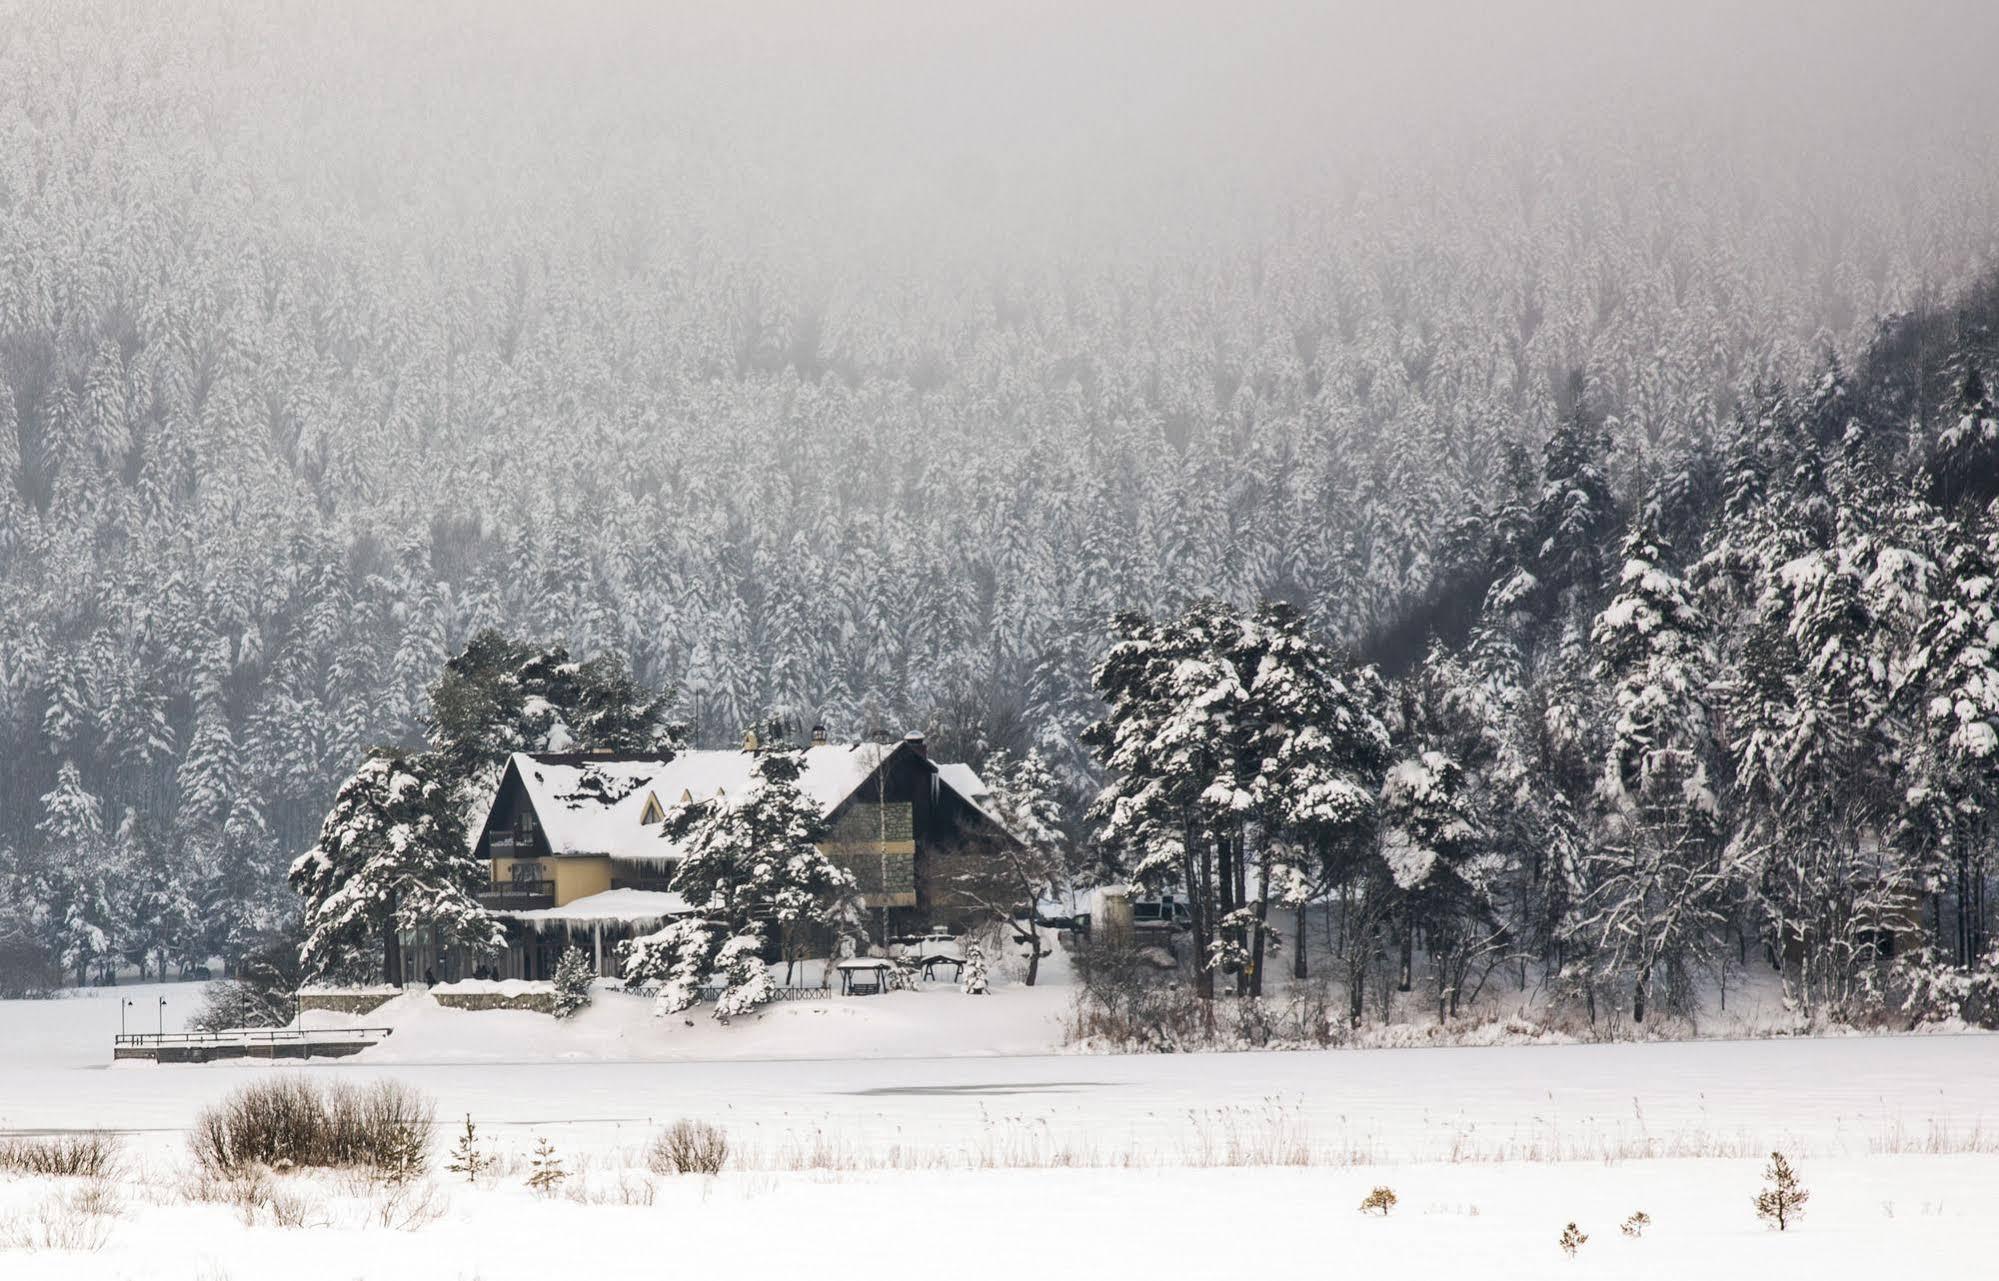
1645,457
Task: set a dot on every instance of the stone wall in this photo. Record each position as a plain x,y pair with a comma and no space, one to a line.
346,1001
539,999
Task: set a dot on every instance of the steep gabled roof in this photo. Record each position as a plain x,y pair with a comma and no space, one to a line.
597,804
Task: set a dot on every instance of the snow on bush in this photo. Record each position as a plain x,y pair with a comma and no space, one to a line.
573,974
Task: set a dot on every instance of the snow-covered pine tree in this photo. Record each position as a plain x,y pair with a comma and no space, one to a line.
677,959
73,881
573,975
1434,849
159,916
1167,744
1655,885
1950,703
748,864
742,975
975,970
391,857
1311,760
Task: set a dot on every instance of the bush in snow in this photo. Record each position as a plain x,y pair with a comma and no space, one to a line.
91,1155
1635,1225
1783,1199
290,1121
1380,1201
573,974
1573,1238
975,970
546,1172
688,1147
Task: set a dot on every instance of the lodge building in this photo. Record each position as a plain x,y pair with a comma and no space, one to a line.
577,851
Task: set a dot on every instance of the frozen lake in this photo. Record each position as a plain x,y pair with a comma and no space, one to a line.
1846,1096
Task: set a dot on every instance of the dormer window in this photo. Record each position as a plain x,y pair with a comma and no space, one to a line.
653,813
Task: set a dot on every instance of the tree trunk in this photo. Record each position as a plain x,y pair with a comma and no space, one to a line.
1256,948
392,955
1204,924
1299,967
1638,996
1408,958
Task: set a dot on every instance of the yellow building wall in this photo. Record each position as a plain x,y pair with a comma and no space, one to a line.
575,876
581,877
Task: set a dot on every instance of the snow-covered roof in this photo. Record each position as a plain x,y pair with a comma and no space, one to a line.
965,781
653,906
597,805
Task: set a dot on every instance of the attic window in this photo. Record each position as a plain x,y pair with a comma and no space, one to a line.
653,813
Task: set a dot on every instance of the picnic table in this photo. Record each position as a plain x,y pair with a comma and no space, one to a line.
863,975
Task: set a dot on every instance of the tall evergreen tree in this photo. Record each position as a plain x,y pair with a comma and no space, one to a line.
391,858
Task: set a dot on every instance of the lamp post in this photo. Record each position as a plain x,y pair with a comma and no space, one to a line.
163,1016
124,1004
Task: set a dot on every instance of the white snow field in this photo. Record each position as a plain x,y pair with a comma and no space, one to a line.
1198,1165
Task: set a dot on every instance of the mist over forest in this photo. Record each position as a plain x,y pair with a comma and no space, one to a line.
854,365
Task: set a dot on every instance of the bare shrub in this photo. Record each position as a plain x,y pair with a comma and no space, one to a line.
627,1190
689,1147
88,1154
290,1122
1380,1201
76,1219
259,1199
405,1206
1126,1001
1635,1225
1572,1239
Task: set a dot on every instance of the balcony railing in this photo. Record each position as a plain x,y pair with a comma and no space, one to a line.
518,896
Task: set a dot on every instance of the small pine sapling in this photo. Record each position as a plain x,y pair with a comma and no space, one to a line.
1380,1201
1635,1225
403,1154
975,970
1573,1239
547,1172
466,1158
1784,1199
573,974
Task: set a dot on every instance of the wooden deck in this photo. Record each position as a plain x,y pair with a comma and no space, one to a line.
247,1043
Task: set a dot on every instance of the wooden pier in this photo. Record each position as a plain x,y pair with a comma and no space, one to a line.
247,1043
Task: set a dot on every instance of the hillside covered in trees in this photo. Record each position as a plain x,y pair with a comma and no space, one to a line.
812,391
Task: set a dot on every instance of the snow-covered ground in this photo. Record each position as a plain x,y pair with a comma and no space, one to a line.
1490,1150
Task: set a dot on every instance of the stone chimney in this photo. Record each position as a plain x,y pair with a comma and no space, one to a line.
915,740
